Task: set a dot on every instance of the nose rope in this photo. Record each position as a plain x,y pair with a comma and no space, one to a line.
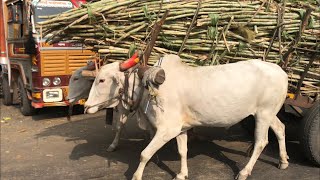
99,104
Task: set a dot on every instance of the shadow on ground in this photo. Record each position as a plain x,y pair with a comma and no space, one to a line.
94,137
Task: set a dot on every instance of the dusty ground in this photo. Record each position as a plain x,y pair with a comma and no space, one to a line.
46,146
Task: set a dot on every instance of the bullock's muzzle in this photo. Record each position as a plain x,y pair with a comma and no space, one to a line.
91,110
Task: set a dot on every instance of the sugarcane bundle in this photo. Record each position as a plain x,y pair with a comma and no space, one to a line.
206,32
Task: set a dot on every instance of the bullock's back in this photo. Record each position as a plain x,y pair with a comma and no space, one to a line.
215,90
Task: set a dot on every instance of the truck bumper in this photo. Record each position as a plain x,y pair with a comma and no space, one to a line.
40,98
38,105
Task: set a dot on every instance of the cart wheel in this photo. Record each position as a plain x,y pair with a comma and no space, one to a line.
7,96
310,134
25,104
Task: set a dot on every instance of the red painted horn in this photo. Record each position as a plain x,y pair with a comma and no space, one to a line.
130,62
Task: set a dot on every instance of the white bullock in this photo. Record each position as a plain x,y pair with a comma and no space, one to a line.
216,96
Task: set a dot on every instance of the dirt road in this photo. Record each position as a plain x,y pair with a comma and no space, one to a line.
47,146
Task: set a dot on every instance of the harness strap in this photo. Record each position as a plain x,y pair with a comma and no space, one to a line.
129,101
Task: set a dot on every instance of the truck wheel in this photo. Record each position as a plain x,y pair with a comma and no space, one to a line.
25,104
310,134
7,96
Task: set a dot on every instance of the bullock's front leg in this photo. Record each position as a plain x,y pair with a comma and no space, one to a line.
161,137
182,140
120,123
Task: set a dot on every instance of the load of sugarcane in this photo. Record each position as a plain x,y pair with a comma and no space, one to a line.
207,32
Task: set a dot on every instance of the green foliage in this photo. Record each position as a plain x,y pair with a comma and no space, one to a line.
92,18
212,32
286,35
311,23
132,50
148,15
214,18
213,29
301,13
242,45
165,41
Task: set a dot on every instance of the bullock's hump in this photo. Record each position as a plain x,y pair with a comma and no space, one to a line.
171,60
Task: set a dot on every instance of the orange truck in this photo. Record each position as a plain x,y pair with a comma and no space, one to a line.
35,74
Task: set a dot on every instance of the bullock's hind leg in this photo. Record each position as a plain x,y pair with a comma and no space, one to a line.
182,140
161,137
263,121
120,123
279,130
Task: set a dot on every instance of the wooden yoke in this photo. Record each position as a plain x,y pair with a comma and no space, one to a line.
160,77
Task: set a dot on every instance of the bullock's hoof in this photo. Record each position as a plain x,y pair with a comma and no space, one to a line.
283,165
135,177
241,176
111,148
181,177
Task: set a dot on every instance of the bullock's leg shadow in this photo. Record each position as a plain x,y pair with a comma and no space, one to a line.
214,151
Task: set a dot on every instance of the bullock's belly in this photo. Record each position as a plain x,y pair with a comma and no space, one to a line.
221,111
220,120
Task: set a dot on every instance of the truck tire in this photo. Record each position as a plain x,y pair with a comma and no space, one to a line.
7,96
25,104
310,134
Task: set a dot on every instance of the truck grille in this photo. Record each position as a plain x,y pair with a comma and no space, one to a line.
63,62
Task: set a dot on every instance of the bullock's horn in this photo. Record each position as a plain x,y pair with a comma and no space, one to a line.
130,62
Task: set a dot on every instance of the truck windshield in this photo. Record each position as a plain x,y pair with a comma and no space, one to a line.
45,8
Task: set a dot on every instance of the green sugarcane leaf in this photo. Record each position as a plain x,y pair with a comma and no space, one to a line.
242,45
301,13
286,35
132,50
92,18
311,23
212,32
214,19
146,13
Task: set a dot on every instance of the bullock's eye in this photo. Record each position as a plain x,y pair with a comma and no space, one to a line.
75,78
101,80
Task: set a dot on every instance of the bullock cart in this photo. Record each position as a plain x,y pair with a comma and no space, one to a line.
224,36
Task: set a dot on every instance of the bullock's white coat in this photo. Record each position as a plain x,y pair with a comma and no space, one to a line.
217,96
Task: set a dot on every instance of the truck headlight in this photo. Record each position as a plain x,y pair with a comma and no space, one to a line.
56,81
45,81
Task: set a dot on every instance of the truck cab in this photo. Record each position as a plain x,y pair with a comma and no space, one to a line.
36,74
